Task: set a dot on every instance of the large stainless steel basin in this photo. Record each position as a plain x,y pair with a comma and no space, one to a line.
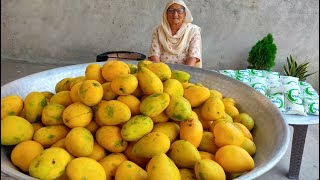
271,133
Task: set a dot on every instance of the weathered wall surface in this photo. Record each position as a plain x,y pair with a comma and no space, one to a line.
75,31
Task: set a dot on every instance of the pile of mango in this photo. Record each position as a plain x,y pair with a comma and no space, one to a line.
122,121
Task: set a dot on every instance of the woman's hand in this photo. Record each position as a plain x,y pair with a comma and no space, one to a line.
154,58
191,61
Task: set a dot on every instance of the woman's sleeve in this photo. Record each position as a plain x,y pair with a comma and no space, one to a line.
195,45
155,45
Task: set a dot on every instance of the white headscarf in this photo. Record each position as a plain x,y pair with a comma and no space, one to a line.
176,44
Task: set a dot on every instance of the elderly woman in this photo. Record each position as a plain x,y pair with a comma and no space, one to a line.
176,40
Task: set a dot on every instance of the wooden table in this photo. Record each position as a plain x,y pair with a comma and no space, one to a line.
300,127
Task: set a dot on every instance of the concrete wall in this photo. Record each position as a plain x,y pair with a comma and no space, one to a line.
74,31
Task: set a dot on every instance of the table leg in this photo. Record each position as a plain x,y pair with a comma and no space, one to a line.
299,137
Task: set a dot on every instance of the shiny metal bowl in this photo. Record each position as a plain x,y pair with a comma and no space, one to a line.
271,133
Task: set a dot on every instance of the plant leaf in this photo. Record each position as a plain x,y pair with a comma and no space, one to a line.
309,74
292,70
302,66
285,70
295,65
289,65
302,72
300,75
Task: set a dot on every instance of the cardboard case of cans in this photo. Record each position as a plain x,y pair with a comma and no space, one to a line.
289,94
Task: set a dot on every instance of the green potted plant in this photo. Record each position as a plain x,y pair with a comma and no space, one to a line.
263,53
293,69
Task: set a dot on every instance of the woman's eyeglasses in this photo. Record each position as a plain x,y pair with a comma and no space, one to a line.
179,11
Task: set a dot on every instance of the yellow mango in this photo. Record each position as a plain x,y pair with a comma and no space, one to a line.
49,135
162,117
108,94
161,167
214,92
15,129
75,80
60,143
160,69
142,162
110,138
181,76
151,144
11,106
234,159
231,110
206,155
93,126
124,84
79,142
110,164
47,94
170,129
74,95
184,154
196,95
33,106
212,109
173,87
226,133
204,122
128,169
52,114
209,169
244,130
245,119
24,152
149,82
62,97
50,163
98,152
113,112
227,119
63,85
90,92
94,72
85,168
154,104
133,68
77,115
199,84
112,69
191,130
136,128
187,84
207,143
144,63
132,102
179,109
187,174
229,101
249,146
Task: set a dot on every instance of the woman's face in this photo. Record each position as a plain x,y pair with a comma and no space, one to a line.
176,14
